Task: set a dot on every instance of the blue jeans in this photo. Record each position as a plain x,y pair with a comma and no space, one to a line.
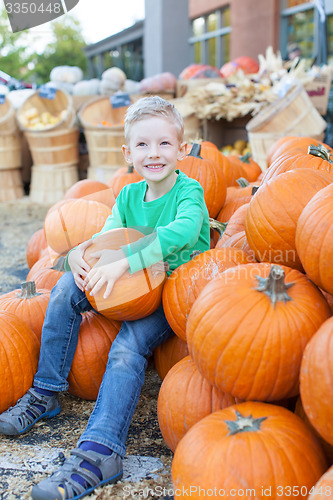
125,370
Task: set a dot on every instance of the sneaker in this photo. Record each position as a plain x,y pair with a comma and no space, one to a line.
62,484
27,411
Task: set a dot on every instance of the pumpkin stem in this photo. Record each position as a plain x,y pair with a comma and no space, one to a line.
244,424
130,169
254,190
195,150
274,286
320,151
60,264
242,182
246,158
218,226
28,290
195,253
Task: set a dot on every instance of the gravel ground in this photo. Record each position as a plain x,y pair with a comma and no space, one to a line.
24,460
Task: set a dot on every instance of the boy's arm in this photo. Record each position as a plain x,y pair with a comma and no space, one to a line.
181,233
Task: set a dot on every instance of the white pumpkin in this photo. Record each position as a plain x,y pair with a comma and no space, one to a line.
113,78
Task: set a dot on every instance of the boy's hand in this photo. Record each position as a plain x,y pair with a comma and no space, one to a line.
78,265
110,267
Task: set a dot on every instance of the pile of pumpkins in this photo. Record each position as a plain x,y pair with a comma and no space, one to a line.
246,399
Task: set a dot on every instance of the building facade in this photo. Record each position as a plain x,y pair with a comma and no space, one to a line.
176,33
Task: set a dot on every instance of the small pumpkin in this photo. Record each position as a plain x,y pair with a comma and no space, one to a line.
209,174
124,176
185,397
167,354
96,335
134,295
36,245
250,167
45,274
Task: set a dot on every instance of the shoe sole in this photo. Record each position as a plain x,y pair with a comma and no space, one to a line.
38,494
50,414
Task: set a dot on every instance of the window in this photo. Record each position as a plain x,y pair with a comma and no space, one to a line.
298,20
210,39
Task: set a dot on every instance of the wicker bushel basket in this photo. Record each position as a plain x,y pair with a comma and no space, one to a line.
293,114
10,154
104,132
55,147
39,113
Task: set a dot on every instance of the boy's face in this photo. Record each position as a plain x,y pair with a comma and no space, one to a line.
154,148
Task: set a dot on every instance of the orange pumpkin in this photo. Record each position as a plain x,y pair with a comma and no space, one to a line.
209,174
122,177
238,330
28,304
46,275
84,187
186,282
236,197
292,144
236,223
316,381
134,295
239,241
323,487
167,354
96,335
250,167
248,449
74,222
36,244
272,215
185,397
327,448
316,158
314,239
19,351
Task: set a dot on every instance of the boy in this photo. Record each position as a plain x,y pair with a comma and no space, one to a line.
173,205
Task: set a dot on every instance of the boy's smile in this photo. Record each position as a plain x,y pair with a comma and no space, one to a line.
154,150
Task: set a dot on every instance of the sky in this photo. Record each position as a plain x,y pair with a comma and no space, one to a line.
99,19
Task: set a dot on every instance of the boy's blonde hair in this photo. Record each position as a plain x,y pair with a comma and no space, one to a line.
153,106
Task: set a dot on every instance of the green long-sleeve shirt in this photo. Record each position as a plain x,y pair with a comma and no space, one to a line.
175,224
